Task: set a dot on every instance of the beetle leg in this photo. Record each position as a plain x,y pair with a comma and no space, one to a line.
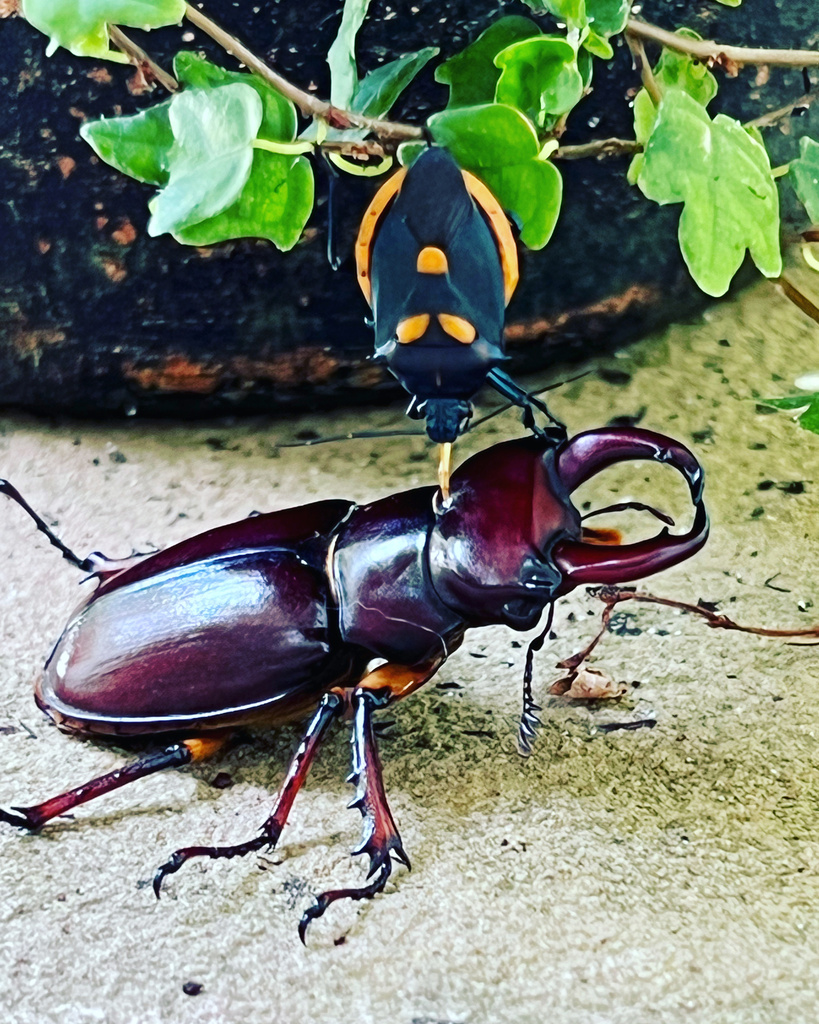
96,563
297,772
195,749
380,839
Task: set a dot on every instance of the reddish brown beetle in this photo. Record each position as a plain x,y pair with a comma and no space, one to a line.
331,609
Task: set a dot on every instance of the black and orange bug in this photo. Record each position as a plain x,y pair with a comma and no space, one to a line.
437,261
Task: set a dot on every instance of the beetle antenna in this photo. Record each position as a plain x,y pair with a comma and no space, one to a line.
529,721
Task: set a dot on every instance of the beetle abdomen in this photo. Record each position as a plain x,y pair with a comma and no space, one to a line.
222,635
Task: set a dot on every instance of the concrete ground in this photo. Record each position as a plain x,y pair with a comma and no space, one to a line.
652,876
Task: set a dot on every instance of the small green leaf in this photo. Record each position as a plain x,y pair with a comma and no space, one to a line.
573,12
138,146
673,71
274,203
607,17
539,77
211,156
278,113
730,3
378,90
682,71
533,192
81,26
472,75
341,57
809,403
722,175
804,174
598,45
500,146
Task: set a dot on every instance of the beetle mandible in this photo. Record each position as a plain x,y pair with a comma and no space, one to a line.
331,609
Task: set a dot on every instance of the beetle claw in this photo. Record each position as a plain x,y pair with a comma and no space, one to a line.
364,892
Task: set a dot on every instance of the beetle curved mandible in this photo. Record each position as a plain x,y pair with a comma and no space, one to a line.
332,609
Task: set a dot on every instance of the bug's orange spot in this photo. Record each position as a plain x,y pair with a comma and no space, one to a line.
432,261
458,328
412,328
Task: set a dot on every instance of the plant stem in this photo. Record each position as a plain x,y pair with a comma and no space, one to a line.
797,297
140,58
599,149
773,116
309,105
708,51
638,53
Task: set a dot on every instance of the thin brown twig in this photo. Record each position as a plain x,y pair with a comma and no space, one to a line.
711,52
797,297
612,596
600,148
309,105
774,116
638,53
140,58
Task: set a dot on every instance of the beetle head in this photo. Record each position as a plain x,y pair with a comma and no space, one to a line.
509,541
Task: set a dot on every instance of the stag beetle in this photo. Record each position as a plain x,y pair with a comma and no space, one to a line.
437,262
331,609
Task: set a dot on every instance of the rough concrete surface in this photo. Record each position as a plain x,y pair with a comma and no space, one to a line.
653,876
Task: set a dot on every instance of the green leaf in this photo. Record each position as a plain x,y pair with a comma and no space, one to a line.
682,71
598,45
730,3
138,146
804,174
278,113
723,176
275,204
533,192
341,58
472,75
378,90
499,145
607,17
809,418
539,77
81,26
573,12
211,157
673,71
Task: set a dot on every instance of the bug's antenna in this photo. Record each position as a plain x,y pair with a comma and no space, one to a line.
529,721
353,436
512,405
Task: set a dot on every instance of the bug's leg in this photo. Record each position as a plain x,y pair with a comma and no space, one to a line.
380,839
96,563
195,749
505,386
329,708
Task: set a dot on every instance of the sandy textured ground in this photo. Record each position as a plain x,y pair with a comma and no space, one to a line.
644,877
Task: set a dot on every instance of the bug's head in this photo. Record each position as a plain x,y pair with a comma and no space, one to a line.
437,262
509,541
